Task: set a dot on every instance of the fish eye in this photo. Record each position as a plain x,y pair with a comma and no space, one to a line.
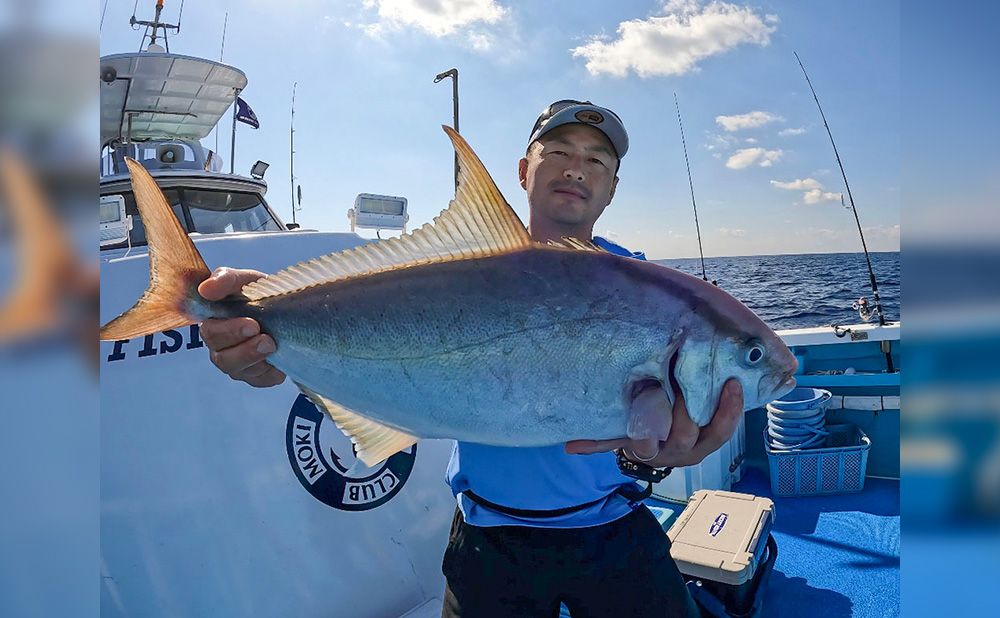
755,354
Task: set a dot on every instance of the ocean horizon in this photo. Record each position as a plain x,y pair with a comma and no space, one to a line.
799,290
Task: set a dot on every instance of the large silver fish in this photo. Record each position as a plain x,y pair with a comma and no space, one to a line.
468,329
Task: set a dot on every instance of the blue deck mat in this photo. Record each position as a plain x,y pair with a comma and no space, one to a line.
838,556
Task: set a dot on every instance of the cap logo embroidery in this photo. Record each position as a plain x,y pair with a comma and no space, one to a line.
589,116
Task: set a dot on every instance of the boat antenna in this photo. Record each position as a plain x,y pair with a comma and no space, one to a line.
691,184
156,24
103,13
291,156
225,24
222,51
850,197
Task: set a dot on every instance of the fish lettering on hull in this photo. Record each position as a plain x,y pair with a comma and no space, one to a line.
168,342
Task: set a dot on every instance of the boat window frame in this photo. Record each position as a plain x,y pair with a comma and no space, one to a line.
128,194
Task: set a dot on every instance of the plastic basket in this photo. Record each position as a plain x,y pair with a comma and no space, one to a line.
839,467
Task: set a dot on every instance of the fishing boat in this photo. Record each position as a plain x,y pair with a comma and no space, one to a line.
218,499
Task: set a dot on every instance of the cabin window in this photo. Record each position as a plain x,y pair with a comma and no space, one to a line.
206,211
225,211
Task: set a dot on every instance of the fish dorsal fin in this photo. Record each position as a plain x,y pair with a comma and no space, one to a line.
477,223
567,242
373,441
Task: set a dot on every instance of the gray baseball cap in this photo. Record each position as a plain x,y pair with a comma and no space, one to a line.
570,111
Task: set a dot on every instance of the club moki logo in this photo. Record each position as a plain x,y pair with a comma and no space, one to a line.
322,459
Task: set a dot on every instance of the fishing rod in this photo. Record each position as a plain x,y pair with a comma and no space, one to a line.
291,153
850,197
694,205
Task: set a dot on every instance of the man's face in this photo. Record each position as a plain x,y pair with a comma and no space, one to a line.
569,174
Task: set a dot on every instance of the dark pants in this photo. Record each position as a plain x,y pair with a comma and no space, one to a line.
618,570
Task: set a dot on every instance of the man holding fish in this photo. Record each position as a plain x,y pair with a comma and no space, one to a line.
542,525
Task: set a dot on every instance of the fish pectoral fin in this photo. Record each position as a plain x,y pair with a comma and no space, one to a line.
373,441
477,223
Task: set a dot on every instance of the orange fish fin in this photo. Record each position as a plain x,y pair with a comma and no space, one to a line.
175,266
44,257
373,441
478,223
576,244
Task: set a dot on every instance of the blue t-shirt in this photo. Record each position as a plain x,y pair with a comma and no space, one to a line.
542,478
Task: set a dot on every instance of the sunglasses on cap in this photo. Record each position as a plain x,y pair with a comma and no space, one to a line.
559,106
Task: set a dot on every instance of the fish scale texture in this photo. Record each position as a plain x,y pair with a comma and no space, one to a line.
478,350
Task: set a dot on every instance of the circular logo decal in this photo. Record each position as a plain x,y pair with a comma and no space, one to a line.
324,461
589,116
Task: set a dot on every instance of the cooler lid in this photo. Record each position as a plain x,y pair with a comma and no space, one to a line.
720,536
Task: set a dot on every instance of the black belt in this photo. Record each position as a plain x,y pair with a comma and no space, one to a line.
632,495
636,470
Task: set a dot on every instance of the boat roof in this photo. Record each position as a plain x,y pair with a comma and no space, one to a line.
185,177
168,96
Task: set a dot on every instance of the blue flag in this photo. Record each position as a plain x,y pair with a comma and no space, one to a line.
245,115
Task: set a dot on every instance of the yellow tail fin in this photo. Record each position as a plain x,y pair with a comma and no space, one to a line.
44,257
175,266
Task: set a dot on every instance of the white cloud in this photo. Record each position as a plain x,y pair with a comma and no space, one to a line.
813,192
815,196
752,156
675,42
732,232
799,184
438,18
882,232
750,120
751,140
792,131
724,142
481,41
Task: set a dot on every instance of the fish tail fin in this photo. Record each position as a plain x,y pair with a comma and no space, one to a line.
43,254
175,268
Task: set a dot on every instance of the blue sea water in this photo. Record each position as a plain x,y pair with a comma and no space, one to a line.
796,291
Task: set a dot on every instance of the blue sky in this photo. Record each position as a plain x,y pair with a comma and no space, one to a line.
368,114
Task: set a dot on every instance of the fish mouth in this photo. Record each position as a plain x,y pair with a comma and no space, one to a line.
776,386
787,385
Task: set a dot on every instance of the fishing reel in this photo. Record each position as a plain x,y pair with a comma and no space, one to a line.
866,311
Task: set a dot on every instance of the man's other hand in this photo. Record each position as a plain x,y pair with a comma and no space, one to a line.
236,346
687,444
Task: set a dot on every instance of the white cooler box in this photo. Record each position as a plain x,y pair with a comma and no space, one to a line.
722,545
720,470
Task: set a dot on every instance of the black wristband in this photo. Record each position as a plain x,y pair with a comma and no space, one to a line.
639,470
